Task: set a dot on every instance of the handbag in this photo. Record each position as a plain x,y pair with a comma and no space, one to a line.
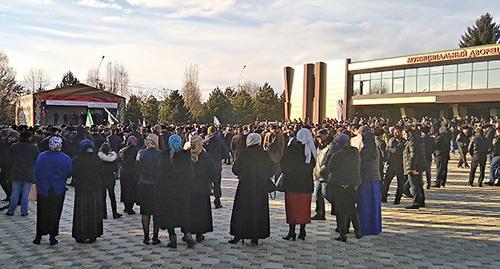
33,193
280,183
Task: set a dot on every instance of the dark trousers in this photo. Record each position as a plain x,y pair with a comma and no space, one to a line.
463,156
391,172
344,200
110,189
320,192
441,169
481,161
216,183
428,172
417,188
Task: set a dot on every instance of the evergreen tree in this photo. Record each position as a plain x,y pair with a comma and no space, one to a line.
483,32
133,111
217,105
265,103
173,110
230,93
68,80
150,109
243,107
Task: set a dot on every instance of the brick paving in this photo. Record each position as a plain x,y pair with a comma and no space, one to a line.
459,228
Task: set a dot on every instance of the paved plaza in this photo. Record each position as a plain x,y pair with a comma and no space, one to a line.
458,229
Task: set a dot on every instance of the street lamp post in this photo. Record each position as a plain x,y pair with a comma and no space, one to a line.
99,67
239,77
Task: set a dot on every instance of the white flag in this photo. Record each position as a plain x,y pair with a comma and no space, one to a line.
216,121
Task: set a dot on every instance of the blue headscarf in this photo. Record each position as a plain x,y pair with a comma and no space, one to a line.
86,146
175,143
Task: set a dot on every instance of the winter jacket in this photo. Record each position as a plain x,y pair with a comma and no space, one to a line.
274,144
297,174
479,146
414,155
324,154
52,169
21,158
344,167
214,145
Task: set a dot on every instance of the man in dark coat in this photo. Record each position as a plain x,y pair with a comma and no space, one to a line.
429,148
442,156
214,145
227,136
395,165
414,165
238,143
479,148
115,141
21,158
5,143
463,141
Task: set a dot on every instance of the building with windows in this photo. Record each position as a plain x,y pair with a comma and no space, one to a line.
439,84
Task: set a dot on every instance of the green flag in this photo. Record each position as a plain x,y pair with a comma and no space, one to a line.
90,121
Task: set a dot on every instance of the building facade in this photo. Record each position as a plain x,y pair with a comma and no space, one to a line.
450,83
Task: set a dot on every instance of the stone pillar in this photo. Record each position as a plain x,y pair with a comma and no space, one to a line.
456,112
493,112
403,111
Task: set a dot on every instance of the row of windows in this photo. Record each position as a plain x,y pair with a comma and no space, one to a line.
480,75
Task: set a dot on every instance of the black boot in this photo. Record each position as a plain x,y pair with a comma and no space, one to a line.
291,233
189,240
302,233
217,203
173,241
38,240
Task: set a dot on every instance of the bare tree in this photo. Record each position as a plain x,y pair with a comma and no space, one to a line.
36,80
9,89
116,78
250,87
191,90
93,79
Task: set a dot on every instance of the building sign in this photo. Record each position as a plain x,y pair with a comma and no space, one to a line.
82,104
475,52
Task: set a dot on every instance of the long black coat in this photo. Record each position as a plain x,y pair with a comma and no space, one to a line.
21,158
88,209
297,174
128,175
201,212
250,217
172,196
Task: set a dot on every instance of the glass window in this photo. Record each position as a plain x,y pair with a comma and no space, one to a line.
398,84
376,75
436,83
494,64
357,77
399,73
479,79
423,83
356,88
410,84
464,67
450,68
494,78
480,66
365,87
365,76
411,72
423,71
450,82
375,86
464,80
436,69
387,74
387,85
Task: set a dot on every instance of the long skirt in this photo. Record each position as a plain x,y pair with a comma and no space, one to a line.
88,216
146,198
48,214
201,214
128,187
298,208
369,207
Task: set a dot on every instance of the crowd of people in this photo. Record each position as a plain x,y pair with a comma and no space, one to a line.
171,172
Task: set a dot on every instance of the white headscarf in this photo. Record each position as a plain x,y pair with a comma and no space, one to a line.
305,137
253,139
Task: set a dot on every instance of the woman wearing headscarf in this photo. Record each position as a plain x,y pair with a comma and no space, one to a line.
370,195
298,163
88,210
250,216
204,169
52,169
147,166
175,174
345,177
128,174
109,160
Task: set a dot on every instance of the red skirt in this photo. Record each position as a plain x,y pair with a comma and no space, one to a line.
298,208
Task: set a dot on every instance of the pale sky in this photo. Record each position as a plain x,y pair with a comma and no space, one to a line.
156,39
